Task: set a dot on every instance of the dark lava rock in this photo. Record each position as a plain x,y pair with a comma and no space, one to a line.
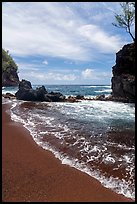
123,80
26,93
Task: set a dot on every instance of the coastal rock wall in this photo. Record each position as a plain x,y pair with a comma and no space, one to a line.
10,77
123,80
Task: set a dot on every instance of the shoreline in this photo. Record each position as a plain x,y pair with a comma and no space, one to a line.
30,173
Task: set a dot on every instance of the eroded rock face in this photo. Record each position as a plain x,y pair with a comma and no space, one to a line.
10,77
123,86
27,93
123,80
24,84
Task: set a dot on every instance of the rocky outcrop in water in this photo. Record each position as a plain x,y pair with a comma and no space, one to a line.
27,93
9,70
123,80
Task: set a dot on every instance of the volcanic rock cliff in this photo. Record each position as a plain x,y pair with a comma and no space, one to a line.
123,80
9,70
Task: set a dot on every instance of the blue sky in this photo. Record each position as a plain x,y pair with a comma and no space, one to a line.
63,42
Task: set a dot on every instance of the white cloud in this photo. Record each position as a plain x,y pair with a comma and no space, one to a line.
94,74
33,73
60,76
27,66
99,39
45,62
38,28
87,73
48,77
53,29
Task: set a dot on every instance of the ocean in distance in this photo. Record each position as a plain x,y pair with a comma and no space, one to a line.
96,137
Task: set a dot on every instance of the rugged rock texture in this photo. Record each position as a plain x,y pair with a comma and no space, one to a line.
9,70
26,93
123,80
10,78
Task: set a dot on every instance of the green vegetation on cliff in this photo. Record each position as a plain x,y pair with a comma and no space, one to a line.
9,70
7,61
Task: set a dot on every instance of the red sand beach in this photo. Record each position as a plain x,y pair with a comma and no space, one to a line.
30,173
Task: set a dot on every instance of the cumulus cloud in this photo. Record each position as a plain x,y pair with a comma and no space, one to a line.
94,74
45,62
87,73
62,76
48,77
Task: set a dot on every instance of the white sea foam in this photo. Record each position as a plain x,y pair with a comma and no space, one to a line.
121,187
108,159
11,90
116,184
105,90
102,110
127,159
95,86
6,101
89,109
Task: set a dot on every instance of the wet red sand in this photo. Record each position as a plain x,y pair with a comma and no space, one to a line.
30,173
